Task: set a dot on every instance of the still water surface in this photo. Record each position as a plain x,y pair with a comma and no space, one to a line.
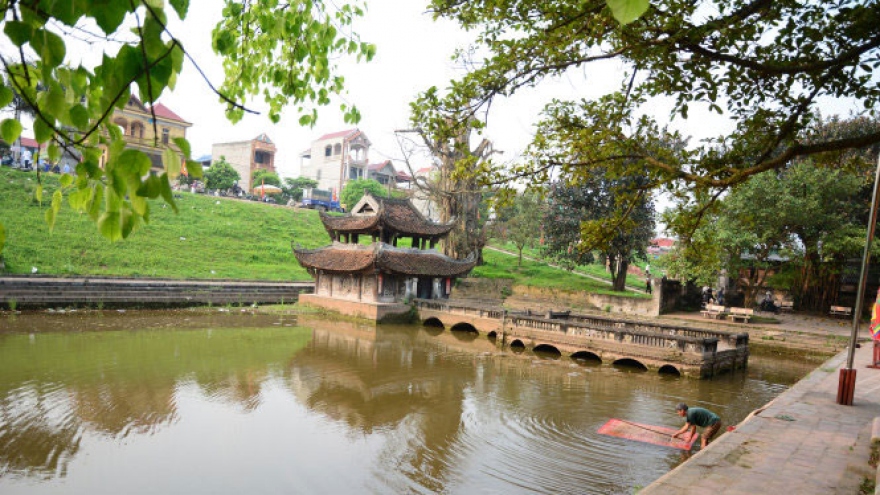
230,403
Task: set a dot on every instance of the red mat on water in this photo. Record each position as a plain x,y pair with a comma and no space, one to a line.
657,435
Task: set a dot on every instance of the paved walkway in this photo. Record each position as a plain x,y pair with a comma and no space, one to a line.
802,442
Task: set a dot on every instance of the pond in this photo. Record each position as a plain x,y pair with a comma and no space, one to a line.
188,402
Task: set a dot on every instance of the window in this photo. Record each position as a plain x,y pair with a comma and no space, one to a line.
337,149
165,133
261,157
355,173
328,150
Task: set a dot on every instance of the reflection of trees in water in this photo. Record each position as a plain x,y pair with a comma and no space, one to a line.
56,386
34,441
382,380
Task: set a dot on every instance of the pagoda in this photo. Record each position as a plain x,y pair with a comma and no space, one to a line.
377,280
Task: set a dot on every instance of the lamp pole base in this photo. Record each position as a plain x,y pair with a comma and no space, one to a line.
846,387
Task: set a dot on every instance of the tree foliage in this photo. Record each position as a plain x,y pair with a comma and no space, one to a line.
288,52
578,221
765,65
294,187
520,223
221,175
354,191
464,163
284,51
803,222
263,176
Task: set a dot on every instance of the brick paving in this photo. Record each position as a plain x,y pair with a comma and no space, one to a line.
802,442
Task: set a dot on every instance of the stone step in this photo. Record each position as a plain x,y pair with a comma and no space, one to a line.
45,291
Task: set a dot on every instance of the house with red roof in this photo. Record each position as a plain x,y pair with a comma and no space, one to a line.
150,129
335,158
660,245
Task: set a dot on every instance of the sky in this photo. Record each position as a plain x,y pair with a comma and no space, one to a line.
414,52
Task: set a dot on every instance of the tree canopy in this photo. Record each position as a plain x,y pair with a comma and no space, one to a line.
221,175
578,215
354,191
285,52
263,176
294,187
767,66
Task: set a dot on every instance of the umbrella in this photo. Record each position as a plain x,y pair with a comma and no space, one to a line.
267,189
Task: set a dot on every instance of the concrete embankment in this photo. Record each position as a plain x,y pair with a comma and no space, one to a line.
34,292
802,442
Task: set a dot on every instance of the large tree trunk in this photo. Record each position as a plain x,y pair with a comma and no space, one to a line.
620,277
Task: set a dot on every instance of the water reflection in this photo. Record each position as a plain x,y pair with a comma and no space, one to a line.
241,403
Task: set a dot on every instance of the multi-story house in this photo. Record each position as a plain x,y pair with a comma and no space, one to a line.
142,133
246,157
336,158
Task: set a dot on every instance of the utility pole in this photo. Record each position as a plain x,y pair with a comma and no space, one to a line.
847,385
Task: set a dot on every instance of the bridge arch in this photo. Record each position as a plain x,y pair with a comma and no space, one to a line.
668,369
629,364
547,350
517,346
586,357
464,326
433,322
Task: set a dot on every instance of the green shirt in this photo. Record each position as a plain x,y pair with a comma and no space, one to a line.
701,417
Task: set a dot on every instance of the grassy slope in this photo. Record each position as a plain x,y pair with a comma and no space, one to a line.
596,269
210,238
539,274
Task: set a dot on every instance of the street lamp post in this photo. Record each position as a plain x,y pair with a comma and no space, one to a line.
847,384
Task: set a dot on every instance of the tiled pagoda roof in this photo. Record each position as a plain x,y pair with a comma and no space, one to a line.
398,215
353,258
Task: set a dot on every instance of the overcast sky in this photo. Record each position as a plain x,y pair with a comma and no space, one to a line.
414,52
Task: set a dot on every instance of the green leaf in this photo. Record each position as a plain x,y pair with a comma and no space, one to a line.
138,203
10,129
55,102
79,117
79,199
150,188
95,201
66,180
90,169
18,32
626,11
109,14
134,162
5,96
53,152
181,7
42,131
166,191
171,161
183,144
50,218
110,225
128,221
194,169
38,193
50,47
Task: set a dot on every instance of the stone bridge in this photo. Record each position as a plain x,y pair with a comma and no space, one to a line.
654,346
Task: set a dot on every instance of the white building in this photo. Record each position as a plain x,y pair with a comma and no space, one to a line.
336,158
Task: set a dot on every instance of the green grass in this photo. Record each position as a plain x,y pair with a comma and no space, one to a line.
210,238
596,269
539,274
